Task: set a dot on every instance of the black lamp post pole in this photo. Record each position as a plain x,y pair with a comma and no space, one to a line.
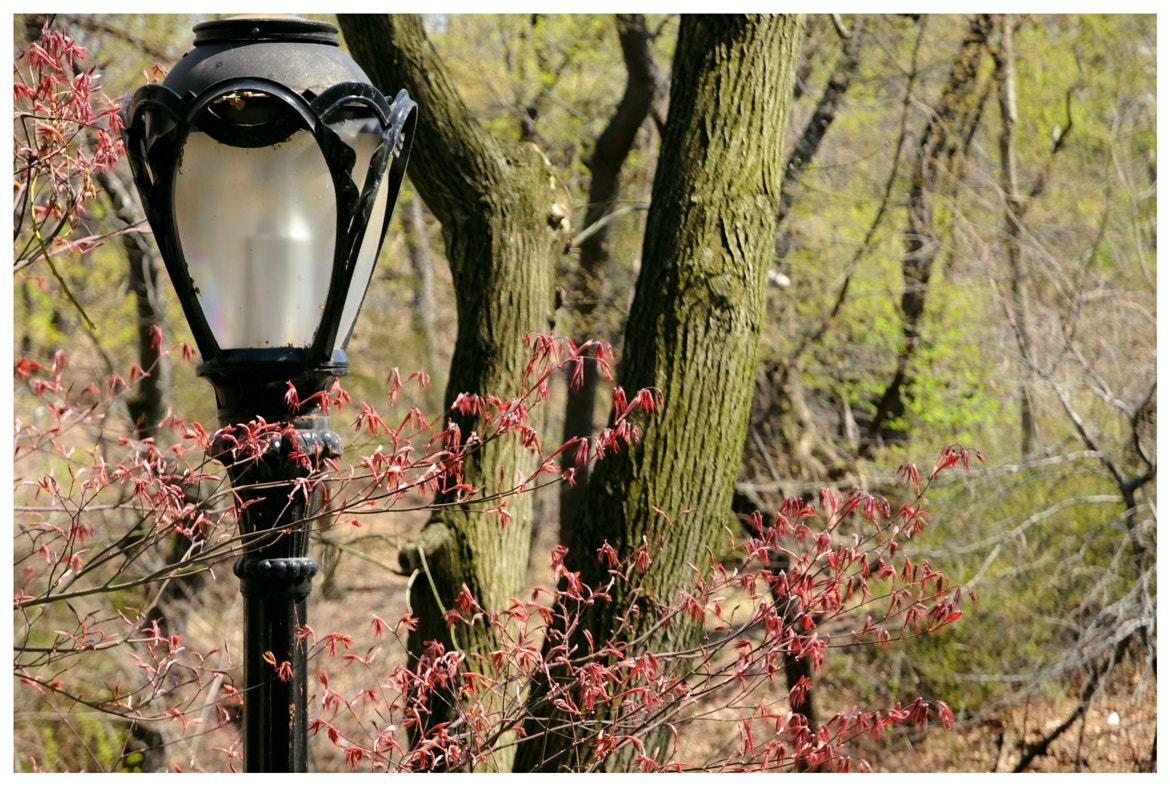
240,109
277,503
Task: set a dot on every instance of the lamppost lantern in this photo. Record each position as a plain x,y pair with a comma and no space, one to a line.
268,166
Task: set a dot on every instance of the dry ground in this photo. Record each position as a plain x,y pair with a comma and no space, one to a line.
1091,744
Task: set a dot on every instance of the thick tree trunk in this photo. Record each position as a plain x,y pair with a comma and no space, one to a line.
505,220
692,333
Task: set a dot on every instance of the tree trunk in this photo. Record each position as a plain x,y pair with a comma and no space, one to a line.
1014,208
1016,205
693,333
505,220
149,404
822,117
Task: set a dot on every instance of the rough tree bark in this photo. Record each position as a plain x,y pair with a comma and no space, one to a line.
505,220
693,333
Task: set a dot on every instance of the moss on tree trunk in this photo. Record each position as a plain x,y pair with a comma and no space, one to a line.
693,333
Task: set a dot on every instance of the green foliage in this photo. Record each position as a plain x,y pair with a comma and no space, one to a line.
80,742
953,392
1039,548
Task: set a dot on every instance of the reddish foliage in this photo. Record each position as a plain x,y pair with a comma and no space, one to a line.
66,130
840,588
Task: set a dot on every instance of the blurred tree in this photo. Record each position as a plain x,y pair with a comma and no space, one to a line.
645,88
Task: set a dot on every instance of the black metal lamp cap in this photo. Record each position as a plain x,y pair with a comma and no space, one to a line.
248,29
282,49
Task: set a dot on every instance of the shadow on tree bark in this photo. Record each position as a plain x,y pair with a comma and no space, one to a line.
645,88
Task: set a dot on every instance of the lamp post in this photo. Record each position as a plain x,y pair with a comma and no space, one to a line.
268,166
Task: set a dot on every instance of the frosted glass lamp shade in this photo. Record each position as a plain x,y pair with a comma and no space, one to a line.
364,138
268,165
258,227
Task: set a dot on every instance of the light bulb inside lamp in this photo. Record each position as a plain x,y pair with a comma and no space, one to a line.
257,227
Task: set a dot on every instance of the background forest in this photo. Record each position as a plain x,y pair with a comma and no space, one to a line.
964,254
